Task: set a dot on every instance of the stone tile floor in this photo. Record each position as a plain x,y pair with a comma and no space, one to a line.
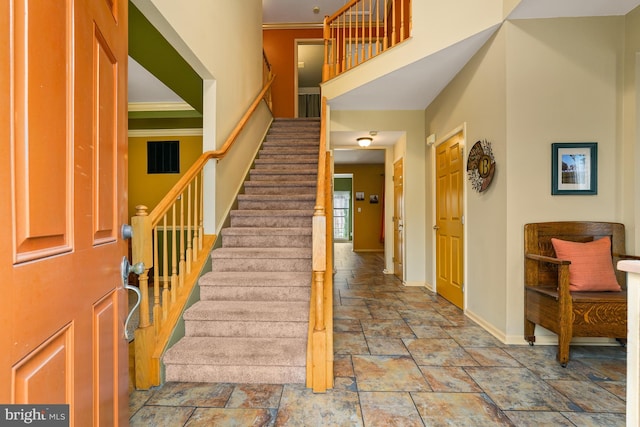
406,357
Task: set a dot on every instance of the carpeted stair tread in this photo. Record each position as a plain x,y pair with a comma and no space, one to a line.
275,237
275,212
293,139
255,279
258,311
262,253
265,186
272,231
270,218
310,162
240,351
282,151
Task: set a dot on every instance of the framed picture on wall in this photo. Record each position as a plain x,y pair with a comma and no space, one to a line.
373,198
574,168
359,195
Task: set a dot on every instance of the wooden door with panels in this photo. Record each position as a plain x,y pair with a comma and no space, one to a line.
63,165
449,219
398,219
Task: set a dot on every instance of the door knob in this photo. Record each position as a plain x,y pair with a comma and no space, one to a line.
435,227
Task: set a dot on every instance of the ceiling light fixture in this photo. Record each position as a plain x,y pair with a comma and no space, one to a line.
364,141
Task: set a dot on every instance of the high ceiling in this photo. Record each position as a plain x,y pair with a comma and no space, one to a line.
429,76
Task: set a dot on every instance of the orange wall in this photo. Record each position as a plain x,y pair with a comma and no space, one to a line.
279,45
367,223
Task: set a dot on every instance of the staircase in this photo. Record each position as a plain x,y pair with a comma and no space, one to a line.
251,323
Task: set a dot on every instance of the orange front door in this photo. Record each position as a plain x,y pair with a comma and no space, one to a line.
62,203
398,219
449,219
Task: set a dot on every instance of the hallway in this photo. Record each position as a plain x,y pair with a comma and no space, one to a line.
406,357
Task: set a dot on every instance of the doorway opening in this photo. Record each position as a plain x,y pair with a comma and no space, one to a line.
342,208
309,56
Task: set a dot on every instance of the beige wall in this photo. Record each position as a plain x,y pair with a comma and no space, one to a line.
367,217
222,40
536,82
630,154
476,99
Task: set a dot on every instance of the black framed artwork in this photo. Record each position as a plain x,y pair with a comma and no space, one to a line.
574,168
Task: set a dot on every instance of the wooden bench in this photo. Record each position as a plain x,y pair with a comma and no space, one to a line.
550,303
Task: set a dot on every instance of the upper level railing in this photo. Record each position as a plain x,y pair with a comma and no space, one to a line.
362,29
170,239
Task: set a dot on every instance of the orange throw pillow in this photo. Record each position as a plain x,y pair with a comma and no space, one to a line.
591,268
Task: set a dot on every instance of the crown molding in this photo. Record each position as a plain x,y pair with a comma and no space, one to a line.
160,106
293,26
164,132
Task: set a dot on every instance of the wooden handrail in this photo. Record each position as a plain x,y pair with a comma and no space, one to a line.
166,202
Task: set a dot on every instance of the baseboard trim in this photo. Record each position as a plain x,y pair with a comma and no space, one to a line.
415,284
543,337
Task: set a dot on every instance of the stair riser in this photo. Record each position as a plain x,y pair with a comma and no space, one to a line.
288,153
246,329
236,374
254,293
257,175
290,241
289,157
260,264
270,221
287,166
279,205
275,190
293,139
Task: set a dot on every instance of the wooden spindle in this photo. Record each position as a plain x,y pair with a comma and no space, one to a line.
157,310
165,269
181,268
174,255
344,44
194,246
401,20
385,42
370,28
189,250
201,212
393,22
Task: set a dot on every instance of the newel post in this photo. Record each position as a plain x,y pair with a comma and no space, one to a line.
142,251
325,66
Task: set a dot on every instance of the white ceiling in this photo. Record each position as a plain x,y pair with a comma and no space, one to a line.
145,87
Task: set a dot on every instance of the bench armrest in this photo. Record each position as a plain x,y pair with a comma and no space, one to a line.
564,295
548,259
